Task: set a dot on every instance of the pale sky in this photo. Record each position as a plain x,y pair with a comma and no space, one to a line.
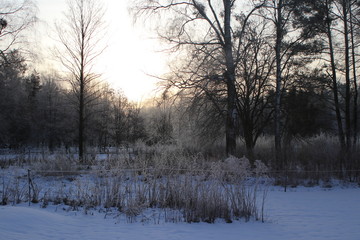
132,51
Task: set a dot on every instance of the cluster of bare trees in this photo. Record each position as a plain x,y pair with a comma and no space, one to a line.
243,69
243,64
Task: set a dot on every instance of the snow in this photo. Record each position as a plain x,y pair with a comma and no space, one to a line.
300,213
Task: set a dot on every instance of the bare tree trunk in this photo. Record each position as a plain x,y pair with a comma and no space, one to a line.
353,55
345,6
232,114
341,134
348,127
249,141
334,80
231,117
279,38
82,83
81,120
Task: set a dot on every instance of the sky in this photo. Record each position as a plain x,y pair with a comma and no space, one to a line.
132,52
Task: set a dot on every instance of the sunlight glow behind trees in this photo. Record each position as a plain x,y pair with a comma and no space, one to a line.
132,52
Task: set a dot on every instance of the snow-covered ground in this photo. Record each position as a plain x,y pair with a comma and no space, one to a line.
301,213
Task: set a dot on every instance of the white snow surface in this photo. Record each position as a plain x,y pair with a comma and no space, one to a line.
300,213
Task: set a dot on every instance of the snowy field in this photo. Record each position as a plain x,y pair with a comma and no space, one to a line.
301,213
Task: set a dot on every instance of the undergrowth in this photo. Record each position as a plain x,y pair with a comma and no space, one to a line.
181,185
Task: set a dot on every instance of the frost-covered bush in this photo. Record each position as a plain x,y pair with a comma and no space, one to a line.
260,168
56,164
237,168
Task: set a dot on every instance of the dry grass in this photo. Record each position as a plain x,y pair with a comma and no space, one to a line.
183,187
310,161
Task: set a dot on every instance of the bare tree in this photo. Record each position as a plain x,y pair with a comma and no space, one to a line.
295,48
345,9
255,74
354,8
15,17
279,26
80,34
205,29
339,31
345,16
334,75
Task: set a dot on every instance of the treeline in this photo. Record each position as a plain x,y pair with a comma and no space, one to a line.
40,110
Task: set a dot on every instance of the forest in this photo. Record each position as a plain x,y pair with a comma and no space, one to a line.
268,80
